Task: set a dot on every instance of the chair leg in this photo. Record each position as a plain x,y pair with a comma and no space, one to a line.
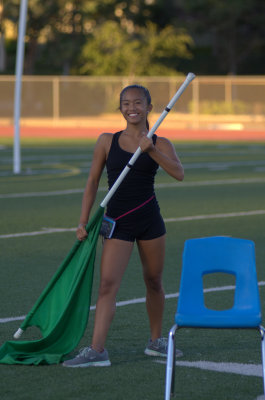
170,369
173,367
262,332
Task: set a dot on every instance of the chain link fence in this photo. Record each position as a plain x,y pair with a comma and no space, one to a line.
208,100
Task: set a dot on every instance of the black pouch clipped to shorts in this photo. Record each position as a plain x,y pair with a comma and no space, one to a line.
107,227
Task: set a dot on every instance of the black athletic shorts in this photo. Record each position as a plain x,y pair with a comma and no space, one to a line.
145,223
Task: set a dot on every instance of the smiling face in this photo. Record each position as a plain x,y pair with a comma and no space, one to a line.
134,106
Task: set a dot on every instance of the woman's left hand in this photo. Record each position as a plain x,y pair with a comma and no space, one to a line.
146,144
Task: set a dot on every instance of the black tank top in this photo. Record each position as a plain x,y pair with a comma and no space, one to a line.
138,185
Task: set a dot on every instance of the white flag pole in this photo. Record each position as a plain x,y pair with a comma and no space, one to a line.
19,72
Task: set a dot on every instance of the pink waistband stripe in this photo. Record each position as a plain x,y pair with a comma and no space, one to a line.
136,208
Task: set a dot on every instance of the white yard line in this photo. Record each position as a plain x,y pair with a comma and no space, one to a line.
139,300
40,194
212,216
234,181
46,231
230,368
223,165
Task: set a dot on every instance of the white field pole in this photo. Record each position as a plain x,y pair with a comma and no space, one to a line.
125,171
19,72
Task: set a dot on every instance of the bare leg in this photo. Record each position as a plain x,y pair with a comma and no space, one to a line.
115,258
152,253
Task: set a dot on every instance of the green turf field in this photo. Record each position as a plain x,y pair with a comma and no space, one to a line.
223,193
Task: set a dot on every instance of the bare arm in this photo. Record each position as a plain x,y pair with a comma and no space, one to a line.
90,192
165,155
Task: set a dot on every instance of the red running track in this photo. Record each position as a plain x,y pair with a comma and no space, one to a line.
173,134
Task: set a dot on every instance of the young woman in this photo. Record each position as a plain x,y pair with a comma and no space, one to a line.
137,214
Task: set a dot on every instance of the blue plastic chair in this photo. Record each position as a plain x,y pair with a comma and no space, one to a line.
216,255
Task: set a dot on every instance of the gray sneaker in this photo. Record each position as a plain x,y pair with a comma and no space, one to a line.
88,357
158,348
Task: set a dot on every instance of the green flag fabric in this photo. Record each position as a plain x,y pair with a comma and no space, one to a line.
61,312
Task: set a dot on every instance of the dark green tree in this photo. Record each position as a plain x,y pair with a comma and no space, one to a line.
232,31
2,38
67,36
112,50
